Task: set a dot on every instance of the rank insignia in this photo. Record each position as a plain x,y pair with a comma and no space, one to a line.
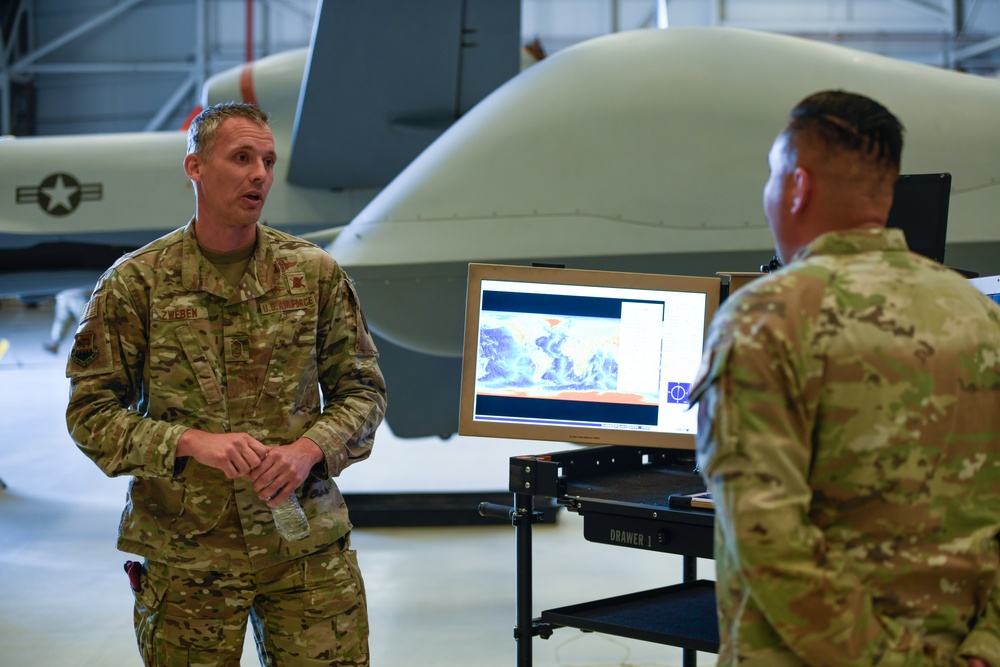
237,348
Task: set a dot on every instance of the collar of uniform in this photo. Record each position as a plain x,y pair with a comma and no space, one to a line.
852,241
262,275
197,273
200,275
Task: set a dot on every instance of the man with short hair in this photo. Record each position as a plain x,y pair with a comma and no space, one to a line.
227,367
849,424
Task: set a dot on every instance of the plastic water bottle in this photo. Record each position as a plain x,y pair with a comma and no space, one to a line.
290,520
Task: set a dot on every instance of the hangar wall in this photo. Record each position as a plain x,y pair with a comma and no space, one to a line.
85,66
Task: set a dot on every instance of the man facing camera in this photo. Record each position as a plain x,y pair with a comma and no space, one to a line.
227,369
849,424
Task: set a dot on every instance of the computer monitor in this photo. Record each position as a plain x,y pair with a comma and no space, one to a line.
582,356
989,285
920,209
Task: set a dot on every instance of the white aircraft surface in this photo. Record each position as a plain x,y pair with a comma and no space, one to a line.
639,151
645,151
80,201
378,83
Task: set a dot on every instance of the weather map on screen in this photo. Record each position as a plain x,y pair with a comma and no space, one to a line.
582,357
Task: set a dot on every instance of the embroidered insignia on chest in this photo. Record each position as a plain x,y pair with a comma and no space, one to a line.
237,348
296,282
84,350
286,303
180,313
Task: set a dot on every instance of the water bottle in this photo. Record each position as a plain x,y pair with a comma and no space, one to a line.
290,520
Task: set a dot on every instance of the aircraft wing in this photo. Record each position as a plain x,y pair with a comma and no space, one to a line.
385,79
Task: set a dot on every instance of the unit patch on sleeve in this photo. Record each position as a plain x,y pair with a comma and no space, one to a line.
84,349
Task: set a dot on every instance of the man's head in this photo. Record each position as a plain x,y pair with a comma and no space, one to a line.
833,167
202,131
230,160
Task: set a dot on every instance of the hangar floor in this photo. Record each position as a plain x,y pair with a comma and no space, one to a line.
437,596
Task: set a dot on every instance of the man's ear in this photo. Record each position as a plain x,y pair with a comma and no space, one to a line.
801,189
192,166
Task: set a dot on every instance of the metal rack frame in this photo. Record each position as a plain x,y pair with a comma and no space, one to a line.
599,484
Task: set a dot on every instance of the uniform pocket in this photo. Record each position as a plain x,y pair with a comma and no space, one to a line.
148,611
196,353
199,618
337,596
291,388
192,634
182,371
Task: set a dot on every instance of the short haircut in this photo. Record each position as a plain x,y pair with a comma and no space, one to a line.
201,133
852,122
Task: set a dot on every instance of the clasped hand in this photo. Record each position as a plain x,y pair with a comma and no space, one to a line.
275,471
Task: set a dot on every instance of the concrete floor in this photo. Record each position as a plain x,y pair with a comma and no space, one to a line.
437,596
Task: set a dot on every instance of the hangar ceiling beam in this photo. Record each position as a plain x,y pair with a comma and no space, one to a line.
935,8
157,121
198,71
285,6
96,22
105,68
962,24
977,49
8,47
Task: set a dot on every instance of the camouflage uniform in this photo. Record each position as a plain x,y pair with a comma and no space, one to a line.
166,344
849,432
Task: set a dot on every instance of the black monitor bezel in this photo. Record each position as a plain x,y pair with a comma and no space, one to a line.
919,201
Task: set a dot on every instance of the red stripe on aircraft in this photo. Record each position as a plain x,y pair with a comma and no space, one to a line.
246,85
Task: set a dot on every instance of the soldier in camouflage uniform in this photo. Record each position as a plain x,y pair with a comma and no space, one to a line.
849,424
198,370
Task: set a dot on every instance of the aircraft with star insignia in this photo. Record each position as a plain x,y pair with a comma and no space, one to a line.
71,205
640,151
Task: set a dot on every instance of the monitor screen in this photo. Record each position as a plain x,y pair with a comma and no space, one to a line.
595,357
920,209
989,285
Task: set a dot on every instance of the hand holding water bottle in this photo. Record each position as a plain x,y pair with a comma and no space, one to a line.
282,470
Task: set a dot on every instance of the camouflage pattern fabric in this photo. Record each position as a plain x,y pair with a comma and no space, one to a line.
166,344
849,431
308,612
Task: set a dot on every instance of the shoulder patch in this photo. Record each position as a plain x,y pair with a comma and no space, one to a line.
85,349
92,307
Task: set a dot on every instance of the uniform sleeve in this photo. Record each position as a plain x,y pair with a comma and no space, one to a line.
105,370
354,394
984,639
778,581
